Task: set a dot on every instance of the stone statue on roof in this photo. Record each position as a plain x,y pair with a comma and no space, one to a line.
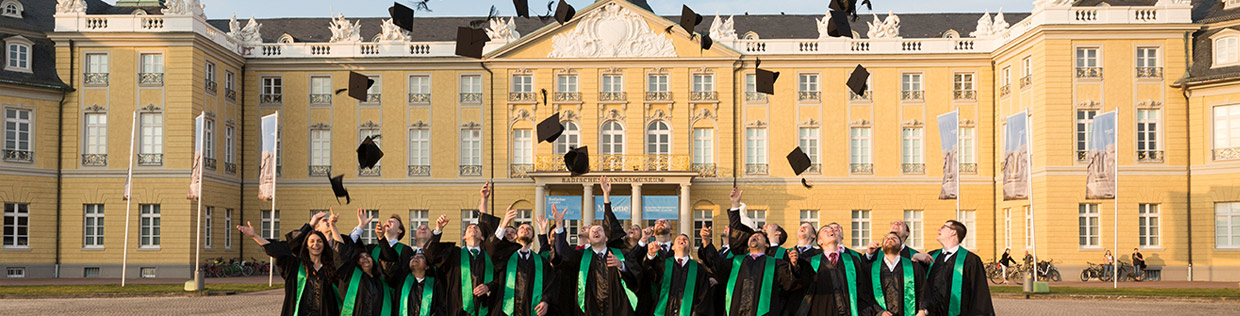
345,32
501,30
983,26
70,6
888,28
722,30
393,33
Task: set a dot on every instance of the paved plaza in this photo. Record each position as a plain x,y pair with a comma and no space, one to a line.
268,303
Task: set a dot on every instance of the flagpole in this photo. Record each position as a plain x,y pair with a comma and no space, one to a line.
958,173
271,225
128,199
1029,176
198,160
1115,221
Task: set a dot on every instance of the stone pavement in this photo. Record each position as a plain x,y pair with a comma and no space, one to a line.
92,281
268,303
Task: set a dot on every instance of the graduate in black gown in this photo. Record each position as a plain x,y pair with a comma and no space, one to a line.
605,278
468,271
902,231
392,231
707,253
681,282
524,278
949,264
662,234
419,290
895,282
308,273
360,284
837,276
755,282
807,236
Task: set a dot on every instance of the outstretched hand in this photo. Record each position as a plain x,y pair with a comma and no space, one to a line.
363,218
705,234
441,222
736,197
247,230
559,216
485,191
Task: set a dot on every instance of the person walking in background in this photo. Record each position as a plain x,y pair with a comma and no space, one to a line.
1005,262
1138,262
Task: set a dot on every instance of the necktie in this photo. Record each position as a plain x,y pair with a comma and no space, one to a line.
834,258
525,255
680,261
947,255
473,252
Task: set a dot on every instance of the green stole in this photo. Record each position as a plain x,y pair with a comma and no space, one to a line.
301,286
768,275
780,252
428,294
850,270
351,293
388,291
686,297
953,308
510,283
910,294
583,271
467,284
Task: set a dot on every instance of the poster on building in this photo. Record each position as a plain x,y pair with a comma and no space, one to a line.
267,166
569,204
622,205
661,207
195,173
1100,181
1016,158
949,129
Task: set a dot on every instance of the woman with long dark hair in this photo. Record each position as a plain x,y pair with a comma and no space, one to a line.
307,264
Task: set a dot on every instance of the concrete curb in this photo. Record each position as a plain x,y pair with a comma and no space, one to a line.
117,295
1116,297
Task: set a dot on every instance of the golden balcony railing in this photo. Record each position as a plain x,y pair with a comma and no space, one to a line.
861,168
808,95
230,168
271,99
756,168
210,86
751,96
419,98
814,168
914,168
659,96
473,98
968,168
374,98
705,169
566,97
100,79
1089,72
151,79
965,94
321,98
230,94
18,155
209,163
704,96
471,170
1150,155
611,96
371,172
1026,81
319,171
555,163
1149,72
520,170
1082,155
1005,90
1223,153
150,159
419,170
912,95
521,97
864,96
94,159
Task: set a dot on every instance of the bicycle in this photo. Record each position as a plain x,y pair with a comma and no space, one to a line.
1015,273
1094,271
1048,271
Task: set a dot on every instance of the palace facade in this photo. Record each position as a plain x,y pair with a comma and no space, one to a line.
674,125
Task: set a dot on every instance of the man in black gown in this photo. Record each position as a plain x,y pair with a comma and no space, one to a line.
951,263
895,282
837,277
470,295
755,281
681,283
520,296
605,278
902,232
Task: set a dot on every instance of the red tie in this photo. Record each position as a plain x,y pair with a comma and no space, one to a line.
680,261
834,258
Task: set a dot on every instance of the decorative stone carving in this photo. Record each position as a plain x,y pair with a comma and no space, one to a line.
810,122
568,116
722,30
859,123
612,31
1149,104
471,125
658,115
95,108
150,108
1089,104
887,28
320,126
912,123
345,32
501,30
612,115
988,27
520,115
824,24
285,39
756,123
184,7
70,6
369,125
248,35
967,123
999,25
419,125
702,114
393,33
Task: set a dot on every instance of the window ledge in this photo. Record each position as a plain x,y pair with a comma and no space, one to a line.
18,69
1227,249
1151,248
148,248
16,248
1094,248
88,248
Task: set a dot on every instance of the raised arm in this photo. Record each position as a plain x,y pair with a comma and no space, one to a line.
363,219
562,249
485,192
738,236
434,249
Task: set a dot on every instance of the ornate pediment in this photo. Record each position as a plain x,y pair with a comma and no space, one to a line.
210,115
520,115
756,123
368,125
967,123
1089,105
611,31
658,115
419,125
612,115
568,116
320,126
150,108
810,122
705,112
859,123
230,122
95,108
912,124
471,125
1149,104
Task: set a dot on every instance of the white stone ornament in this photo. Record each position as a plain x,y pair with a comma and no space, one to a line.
824,26
722,30
611,31
184,7
983,26
70,6
393,33
503,30
248,35
887,28
987,27
345,32
999,25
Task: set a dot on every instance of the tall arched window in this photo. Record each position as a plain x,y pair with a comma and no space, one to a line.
658,138
613,138
571,138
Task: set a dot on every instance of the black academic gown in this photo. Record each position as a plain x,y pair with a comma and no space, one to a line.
795,297
905,251
655,268
395,273
524,283
975,293
828,293
317,296
649,294
709,255
604,294
892,284
446,258
368,299
746,294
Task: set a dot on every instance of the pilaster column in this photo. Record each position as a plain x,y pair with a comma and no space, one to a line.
635,204
686,214
587,204
540,202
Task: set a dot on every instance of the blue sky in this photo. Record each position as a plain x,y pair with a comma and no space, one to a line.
220,9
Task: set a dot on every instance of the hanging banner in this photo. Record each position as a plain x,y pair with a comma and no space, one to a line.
661,207
622,205
949,129
1016,158
267,166
570,204
195,173
133,127
1100,181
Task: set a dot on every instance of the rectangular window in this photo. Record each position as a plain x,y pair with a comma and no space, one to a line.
417,218
755,146
230,80
228,231
321,85
911,87
273,86
963,82
1028,227
703,145
471,84
1089,229
96,63
657,83
703,83
1148,226
613,83
152,63
968,147
807,138
567,84
468,217
522,83
1147,133
807,82
420,147
207,220
810,217
1226,130
1226,225
471,147
17,131
228,144
15,273
1026,67
271,225
1147,57
320,147
1006,76
571,227
701,219
523,146
751,83
96,133
147,272
19,56
92,230
16,225
1086,57
375,89
758,217
859,144
419,84
152,138
1084,121
969,219
208,138
860,228
368,232
915,227
911,146
1226,50
149,226
1007,228
210,73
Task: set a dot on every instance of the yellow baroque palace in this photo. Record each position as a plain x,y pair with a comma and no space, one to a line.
674,125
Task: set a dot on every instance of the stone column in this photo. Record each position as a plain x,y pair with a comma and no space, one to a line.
540,202
635,205
587,204
686,214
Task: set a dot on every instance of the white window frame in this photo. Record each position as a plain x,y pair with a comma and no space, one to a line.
228,228
149,226
95,140
1089,221
811,217
612,83
229,131
266,218
208,138
703,82
420,146
151,138
471,83
230,80
151,63
1088,57
1149,123
468,217
808,82
207,220
320,147
860,145
321,85
16,219
657,83
969,219
612,139
569,139
1007,228
755,145
912,81
210,71
915,219
15,272
374,89
704,145
92,226
1226,223
1084,122
808,139
751,82
860,230
911,145
567,83
1028,227
1148,56
471,146
522,83
1149,225
658,138
523,146
11,8
1026,67
1226,51
22,128
419,84
758,216
272,85
963,81
968,145
18,54
368,232
97,63
1226,126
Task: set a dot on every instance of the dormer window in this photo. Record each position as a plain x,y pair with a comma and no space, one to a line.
1227,51
11,8
17,54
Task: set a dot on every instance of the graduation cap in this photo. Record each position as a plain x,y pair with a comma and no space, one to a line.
368,154
522,7
358,85
707,42
766,80
564,12
856,81
577,161
799,162
402,16
689,19
470,41
338,188
849,7
839,25
550,129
